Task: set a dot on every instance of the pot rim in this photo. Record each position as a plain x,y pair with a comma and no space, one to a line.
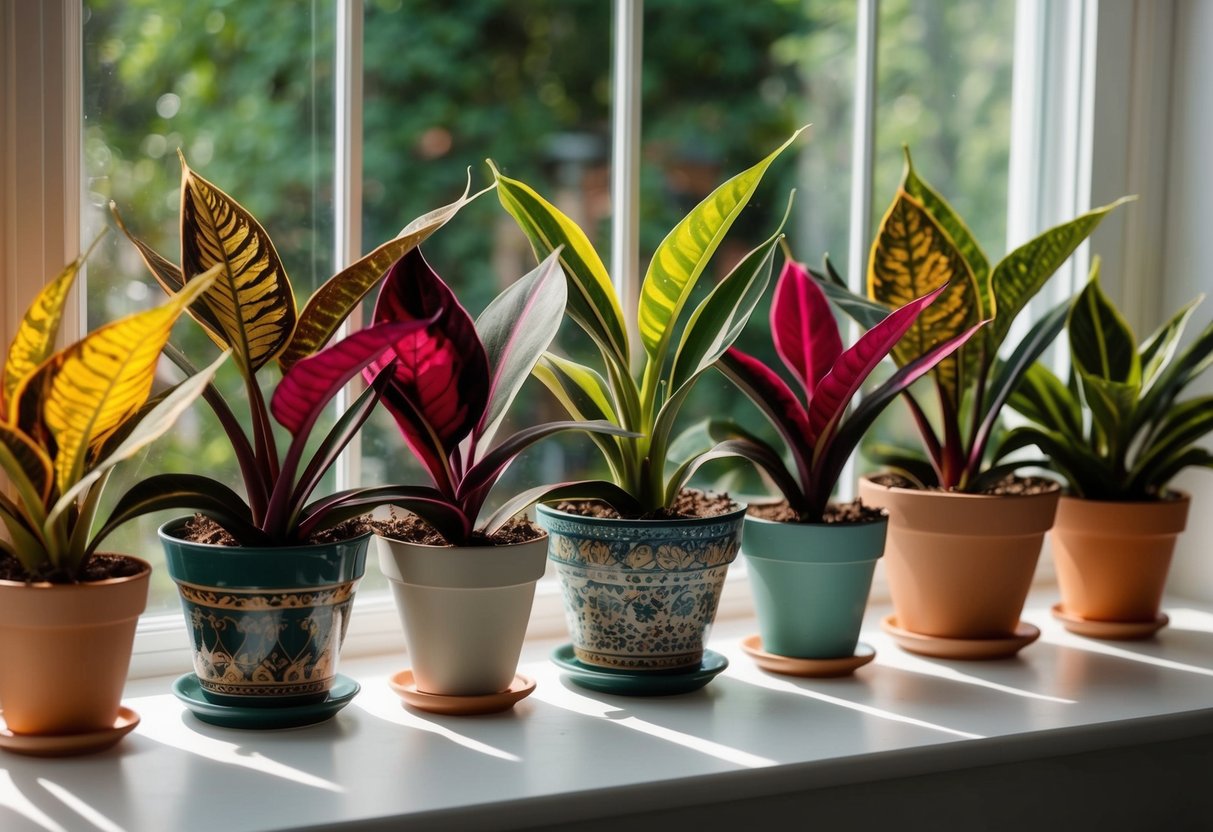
926,494
84,585
164,532
450,546
1178,496
861,525
738,512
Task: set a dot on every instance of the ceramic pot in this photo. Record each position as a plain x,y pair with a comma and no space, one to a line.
1112,558
464,610
640,595
811,583
65,650
266,623
960,565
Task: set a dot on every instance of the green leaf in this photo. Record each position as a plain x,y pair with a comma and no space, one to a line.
1188,422
608,492
583,394
592,301
758,453
1021,274
332,303
867,313
1101,343
1172,380
951,222
1190,458
1158,350
684,253
909,462
1044,399
1084,471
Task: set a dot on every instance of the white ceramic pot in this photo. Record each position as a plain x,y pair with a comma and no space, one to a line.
464,610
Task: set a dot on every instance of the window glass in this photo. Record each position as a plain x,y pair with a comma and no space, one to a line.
250,112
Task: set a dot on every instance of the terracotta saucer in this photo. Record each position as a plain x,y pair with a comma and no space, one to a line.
67,745
1110,630
638,683
961,648
264,717
809,668
436,703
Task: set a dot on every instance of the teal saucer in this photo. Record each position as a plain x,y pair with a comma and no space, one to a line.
628,683
189,691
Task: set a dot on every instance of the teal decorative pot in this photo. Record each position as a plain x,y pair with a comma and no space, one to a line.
641,594
266,623
811,583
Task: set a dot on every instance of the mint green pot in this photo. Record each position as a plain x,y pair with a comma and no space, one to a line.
811,583
266,623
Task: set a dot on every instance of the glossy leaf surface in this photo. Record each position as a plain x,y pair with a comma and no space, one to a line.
803,327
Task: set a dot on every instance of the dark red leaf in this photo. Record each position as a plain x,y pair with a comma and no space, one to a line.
803,327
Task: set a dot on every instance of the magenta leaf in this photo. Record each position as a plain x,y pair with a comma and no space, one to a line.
838,387
442,369
775,399
803,327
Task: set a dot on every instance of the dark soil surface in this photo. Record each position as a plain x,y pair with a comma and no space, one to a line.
689,504
1011,486
202,529
852,513
412,529
96,568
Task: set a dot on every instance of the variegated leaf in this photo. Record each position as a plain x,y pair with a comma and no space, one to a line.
35,338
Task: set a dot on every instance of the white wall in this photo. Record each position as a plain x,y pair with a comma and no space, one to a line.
1188,252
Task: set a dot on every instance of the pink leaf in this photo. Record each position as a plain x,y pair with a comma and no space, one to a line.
442,369
772,395
803,327
839,386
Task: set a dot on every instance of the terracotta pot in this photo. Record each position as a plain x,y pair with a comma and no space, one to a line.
960,565
811,583
65,650
1112,558
640,595
266,623
464,610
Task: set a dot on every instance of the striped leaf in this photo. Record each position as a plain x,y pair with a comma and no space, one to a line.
803,328
1043,398
1021,274
592,301
252,300
584,396
911,257
332,303
28,467
100,381
685,252
1158,350
1101,342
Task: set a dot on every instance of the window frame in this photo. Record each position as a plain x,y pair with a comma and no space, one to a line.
1074,144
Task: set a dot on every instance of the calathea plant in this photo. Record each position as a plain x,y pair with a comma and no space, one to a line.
646,399
1137,435
69,417
920,246
450,384
813,421
250,310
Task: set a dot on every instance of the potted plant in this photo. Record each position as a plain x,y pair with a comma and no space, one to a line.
641,582
267,579
811,561
67,611
1117,434
964,532
463,590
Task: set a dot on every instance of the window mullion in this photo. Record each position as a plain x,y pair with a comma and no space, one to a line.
625,157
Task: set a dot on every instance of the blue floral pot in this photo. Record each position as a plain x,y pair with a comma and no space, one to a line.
266,624
811,583
640,595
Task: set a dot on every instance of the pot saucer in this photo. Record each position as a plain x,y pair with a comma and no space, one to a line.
961,648
631,683
436,703
808,668
68,745
189,691
1109,630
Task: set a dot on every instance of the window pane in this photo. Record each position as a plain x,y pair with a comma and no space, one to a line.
251,113
527,84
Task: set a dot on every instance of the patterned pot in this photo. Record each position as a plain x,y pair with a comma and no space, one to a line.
640,595
811,583
266,624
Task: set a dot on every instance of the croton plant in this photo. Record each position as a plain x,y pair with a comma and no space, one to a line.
450,384
813,422
921,245
250,310
645,397
70,416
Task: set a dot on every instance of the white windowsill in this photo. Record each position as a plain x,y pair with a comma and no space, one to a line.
565,754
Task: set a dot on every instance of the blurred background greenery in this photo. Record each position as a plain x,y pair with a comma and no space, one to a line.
245,91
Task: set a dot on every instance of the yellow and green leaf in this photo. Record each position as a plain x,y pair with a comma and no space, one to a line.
332,303
103,379
252,300
592,301
27,466
685,252
912,256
